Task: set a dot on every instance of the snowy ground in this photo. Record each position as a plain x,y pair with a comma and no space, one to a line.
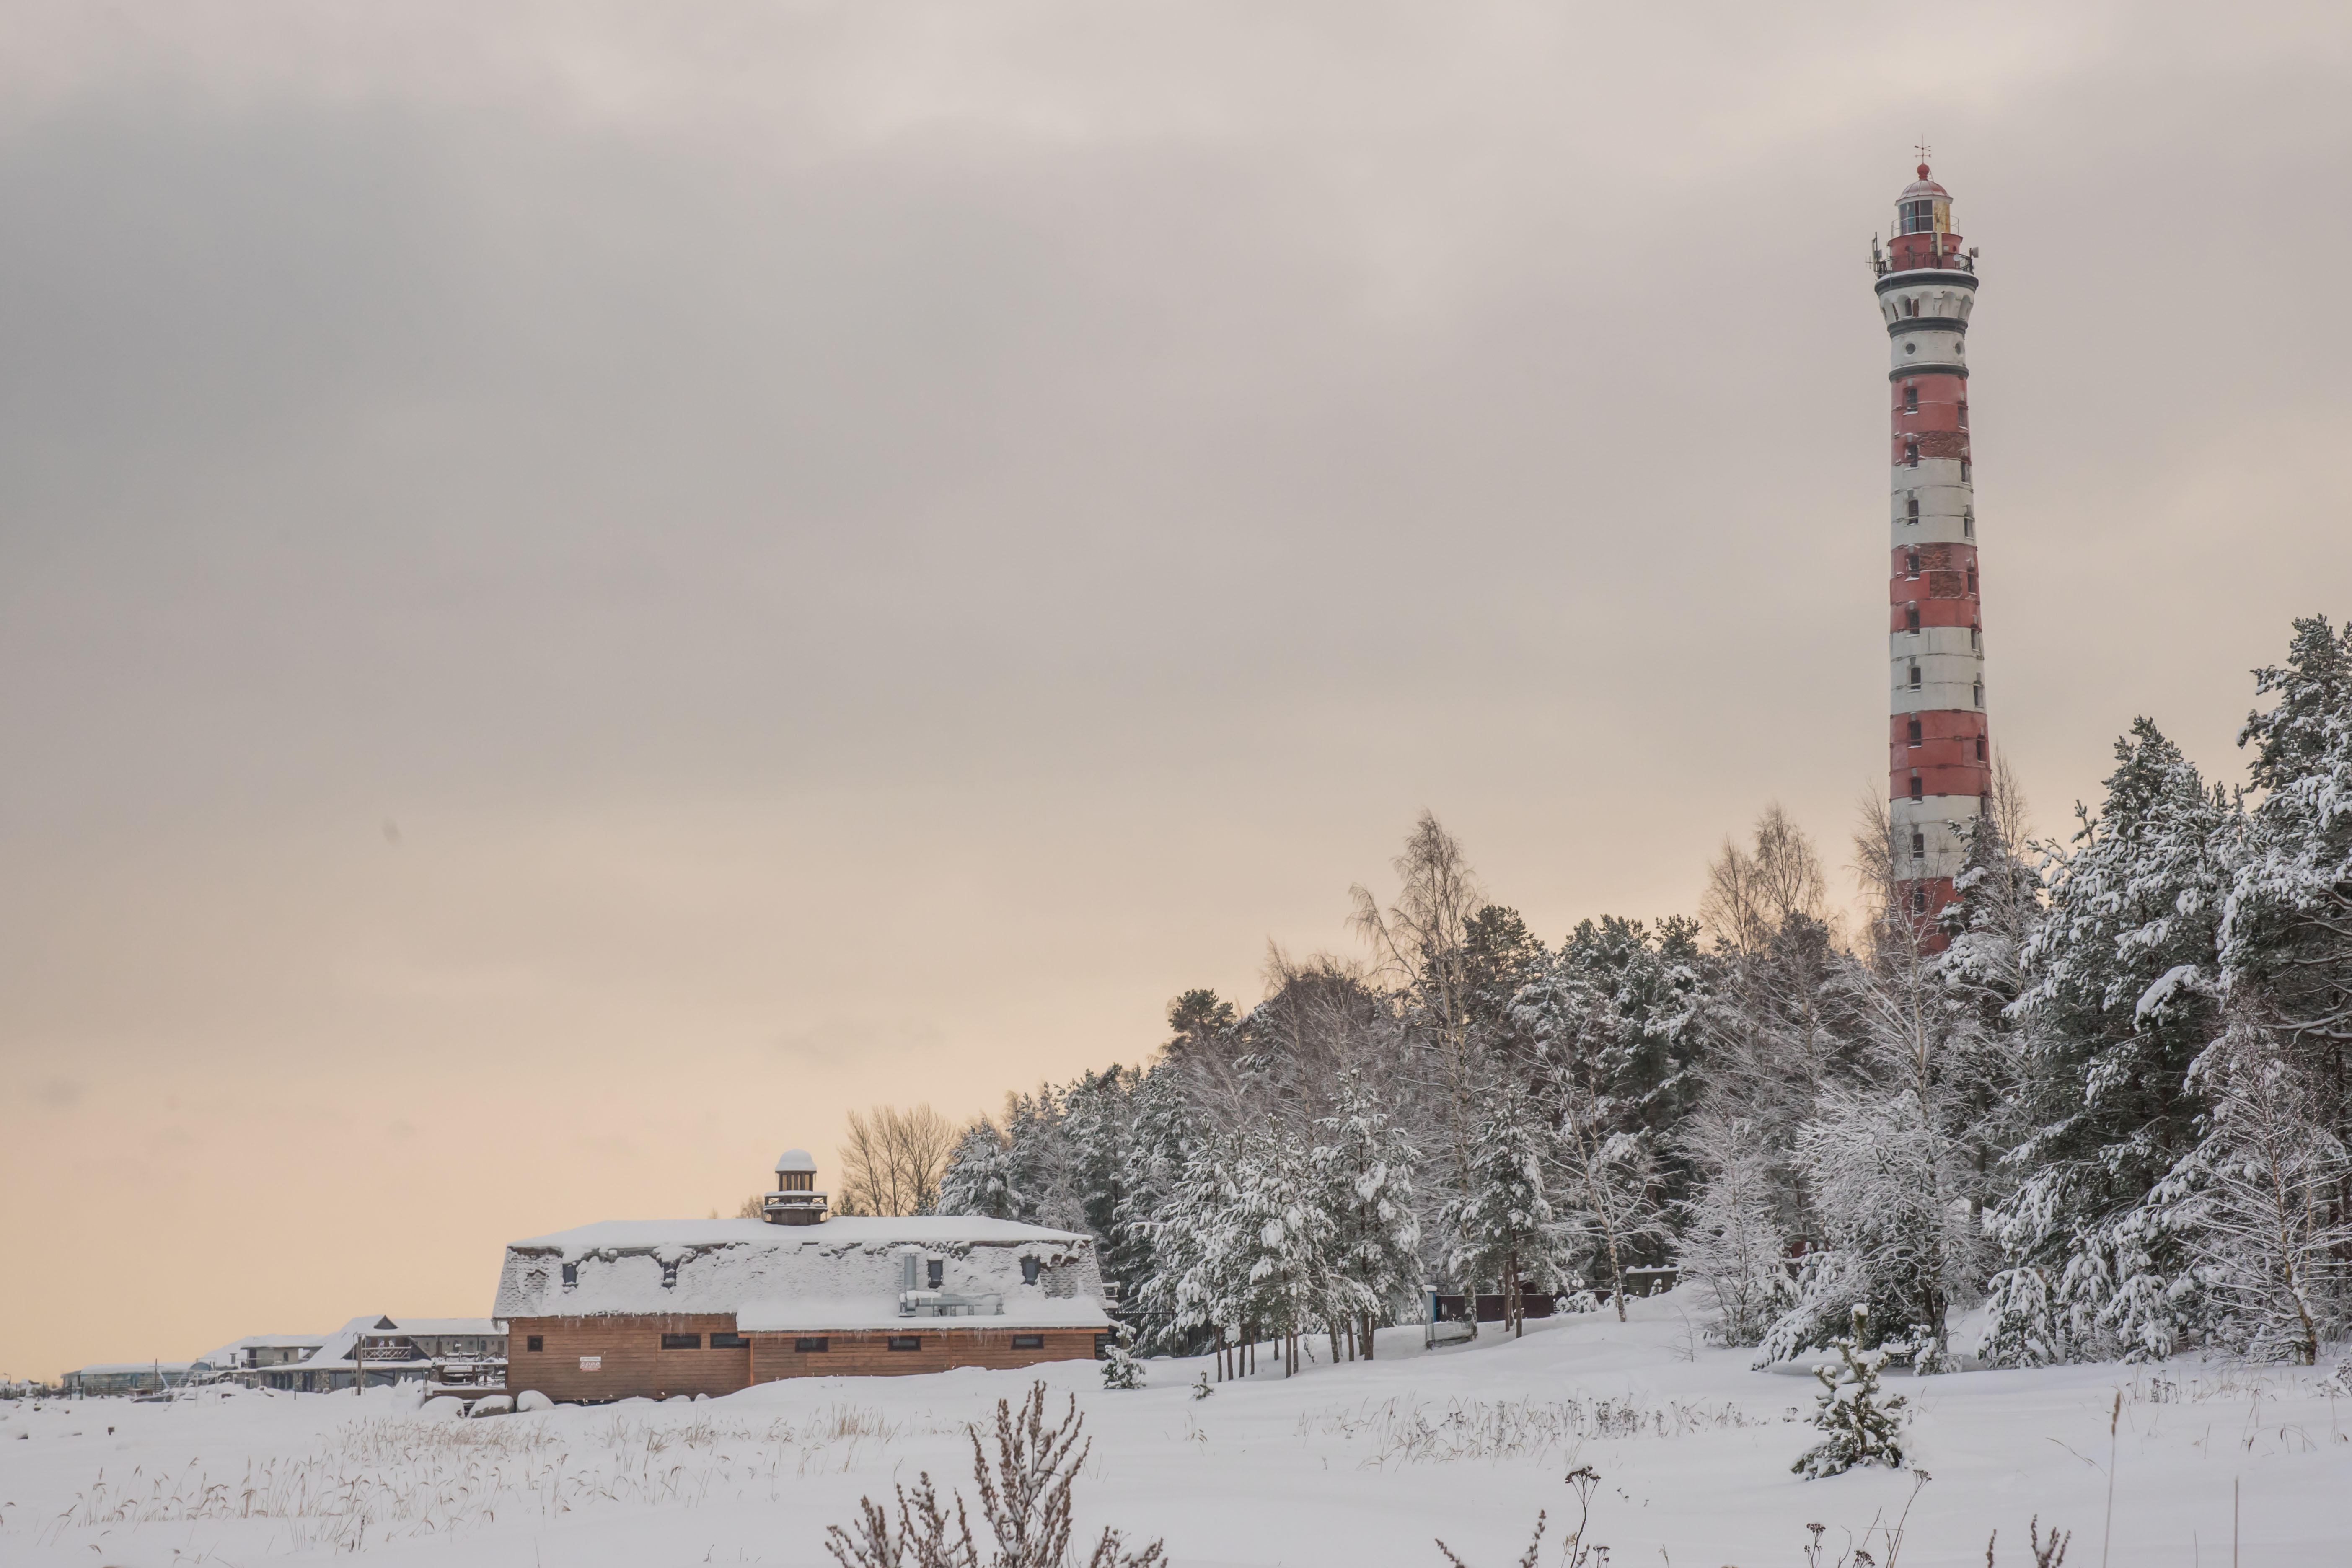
1356,1464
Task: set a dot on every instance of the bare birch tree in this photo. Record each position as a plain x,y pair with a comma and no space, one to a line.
893,1159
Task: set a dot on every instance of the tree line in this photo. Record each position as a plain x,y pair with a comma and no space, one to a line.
2103,1093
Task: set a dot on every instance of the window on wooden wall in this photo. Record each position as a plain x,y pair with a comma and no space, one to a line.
1028,1341
723,1340
681,1342
816,1346
906,1341
535,1343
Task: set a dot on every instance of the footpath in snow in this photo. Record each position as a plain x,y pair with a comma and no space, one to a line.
1361,1464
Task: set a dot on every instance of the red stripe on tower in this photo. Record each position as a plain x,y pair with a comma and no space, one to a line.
1939,752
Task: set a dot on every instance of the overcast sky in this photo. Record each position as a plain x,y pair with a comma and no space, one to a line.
584,587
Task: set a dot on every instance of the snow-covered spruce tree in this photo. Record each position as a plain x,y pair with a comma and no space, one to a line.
1286,1234
2260,1204
979,1177
1120,1366
1203,1262
1363,1167
1044,1167
1097,1124
1732,1246
1162,1138
1861,1423
1505,1228
2120,995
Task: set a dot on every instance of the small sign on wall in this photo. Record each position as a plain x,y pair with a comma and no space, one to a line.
592,1363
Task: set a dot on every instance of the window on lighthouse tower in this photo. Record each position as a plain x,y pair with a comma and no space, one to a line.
1911,561
1911,400
1911,509
1911,618
1911,454
1918,845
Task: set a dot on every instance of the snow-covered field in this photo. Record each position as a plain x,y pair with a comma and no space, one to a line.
1353,1464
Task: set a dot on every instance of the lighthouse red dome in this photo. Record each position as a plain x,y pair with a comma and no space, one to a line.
1924,186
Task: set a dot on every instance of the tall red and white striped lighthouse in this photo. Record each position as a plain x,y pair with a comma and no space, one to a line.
1938,758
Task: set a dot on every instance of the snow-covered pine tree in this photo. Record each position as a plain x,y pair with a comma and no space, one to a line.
2120,996
1861,1424
1363,1167
1505,1228
1732,1246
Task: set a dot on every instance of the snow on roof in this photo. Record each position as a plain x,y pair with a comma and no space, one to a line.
122,1368
227,1354
728,1265
795,1160
444,1326
841,1314
912,1230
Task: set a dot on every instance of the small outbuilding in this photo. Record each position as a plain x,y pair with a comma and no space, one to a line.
657,1308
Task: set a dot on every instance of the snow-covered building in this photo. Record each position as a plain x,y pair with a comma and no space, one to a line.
386,1349
665,1307
247,1358
135,1376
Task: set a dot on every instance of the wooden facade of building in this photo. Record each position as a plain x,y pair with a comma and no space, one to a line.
598,1359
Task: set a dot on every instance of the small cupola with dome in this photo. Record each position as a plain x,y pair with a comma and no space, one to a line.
795,1200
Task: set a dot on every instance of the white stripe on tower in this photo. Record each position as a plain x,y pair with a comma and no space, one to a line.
1938,756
